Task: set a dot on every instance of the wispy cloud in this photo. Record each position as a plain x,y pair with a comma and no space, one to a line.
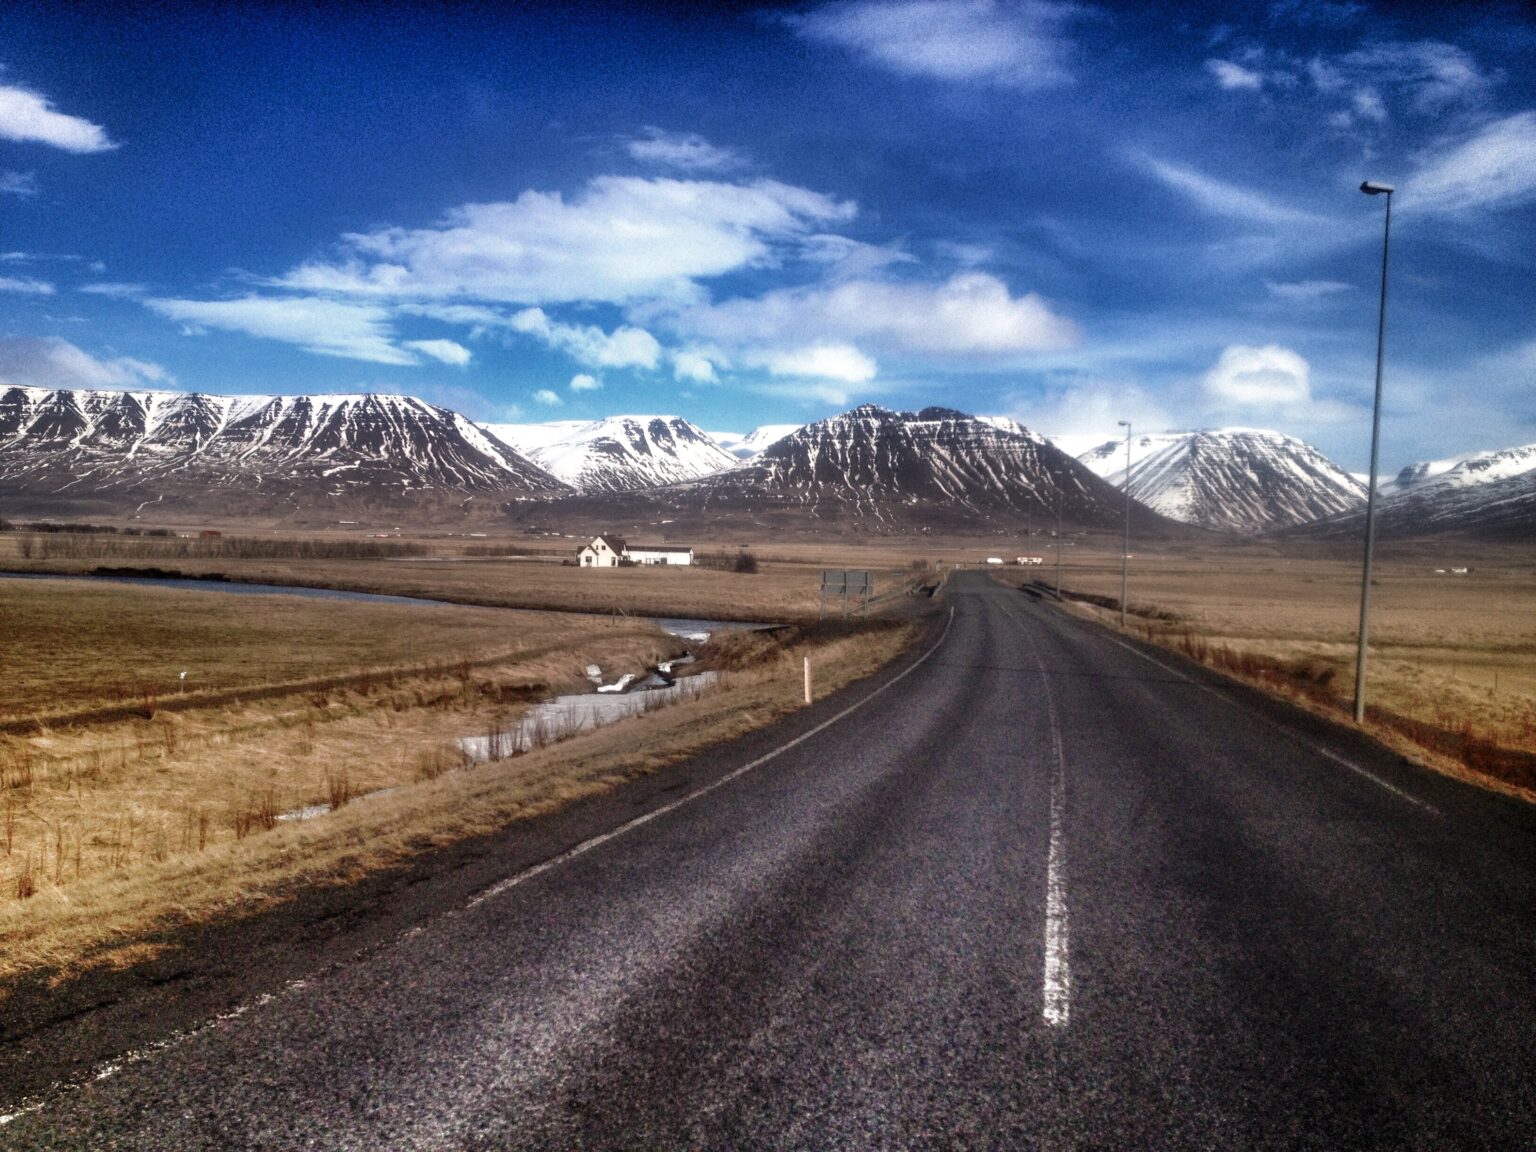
1017,45
53,363
1234,76
687,151
1304,290
1222,198
625,347
18,183
446,351
29,117
326,327
621,239
25,287
1495,167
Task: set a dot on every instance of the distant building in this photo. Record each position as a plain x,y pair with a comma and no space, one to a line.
658,554
603,552
611,551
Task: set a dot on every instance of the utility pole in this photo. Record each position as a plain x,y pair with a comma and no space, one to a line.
1125,547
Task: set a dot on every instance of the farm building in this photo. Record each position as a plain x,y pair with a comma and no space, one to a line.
611,551
657,554
603,552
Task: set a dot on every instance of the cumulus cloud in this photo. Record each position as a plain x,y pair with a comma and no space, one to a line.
1222,198
29,117
447,351
1084,413
1262,377
548,397
25,287
581,382
620,240
694,367
972,315
625,347
18,183
1493,168
1018,44
55,363
1303,290
1234,76
325,327
839,362
685,150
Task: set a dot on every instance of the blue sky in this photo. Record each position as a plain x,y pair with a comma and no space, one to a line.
1069,213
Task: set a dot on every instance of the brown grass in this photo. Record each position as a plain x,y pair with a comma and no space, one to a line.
114,830
1452,669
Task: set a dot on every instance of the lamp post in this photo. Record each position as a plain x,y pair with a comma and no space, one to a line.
1125,546
1371,188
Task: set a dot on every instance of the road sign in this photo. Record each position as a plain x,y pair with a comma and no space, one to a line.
846,583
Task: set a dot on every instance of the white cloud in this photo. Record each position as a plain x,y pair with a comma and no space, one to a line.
693,366
1493,168
28,117
25,287
1088,411
972,314
1368,105
1302,290
1017,44
686,150
1435,74
548,397
18,183
1268,376
117,290
621,239
325,327
1224,199
581,382
447,351
806,392
625,347
1234,76
54,363
839,362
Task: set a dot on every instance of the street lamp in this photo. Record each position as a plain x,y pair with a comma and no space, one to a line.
1371,188
1125,548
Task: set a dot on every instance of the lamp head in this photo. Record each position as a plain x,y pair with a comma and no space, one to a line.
1372,188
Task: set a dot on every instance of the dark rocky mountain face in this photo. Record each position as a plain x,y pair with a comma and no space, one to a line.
106,451
872,469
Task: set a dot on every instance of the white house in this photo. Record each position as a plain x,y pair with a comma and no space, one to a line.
657,554
608,551
603,552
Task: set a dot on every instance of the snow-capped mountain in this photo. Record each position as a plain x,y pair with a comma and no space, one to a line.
295,450
1482,493
619,453
1230,480
747,446
935,468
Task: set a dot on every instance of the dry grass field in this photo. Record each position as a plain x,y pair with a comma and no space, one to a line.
1452,667
128,806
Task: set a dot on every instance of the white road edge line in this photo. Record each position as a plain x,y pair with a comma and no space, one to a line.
503,886
1057,991
1302,740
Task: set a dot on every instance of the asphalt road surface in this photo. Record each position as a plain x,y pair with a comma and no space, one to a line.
1045,890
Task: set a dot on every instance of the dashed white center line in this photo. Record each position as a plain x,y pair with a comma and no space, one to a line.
1057,992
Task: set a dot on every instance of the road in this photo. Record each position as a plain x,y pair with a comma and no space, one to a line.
1045,890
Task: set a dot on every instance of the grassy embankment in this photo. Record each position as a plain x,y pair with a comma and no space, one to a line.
1452,669
164,807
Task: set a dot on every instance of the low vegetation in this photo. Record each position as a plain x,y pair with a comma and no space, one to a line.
1452,670
115,828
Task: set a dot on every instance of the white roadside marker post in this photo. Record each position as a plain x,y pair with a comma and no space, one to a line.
807,679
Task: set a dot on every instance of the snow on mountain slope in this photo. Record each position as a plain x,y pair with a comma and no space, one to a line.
302,448
1466,471
937,467
1490,494
619,453
744,447
1231,480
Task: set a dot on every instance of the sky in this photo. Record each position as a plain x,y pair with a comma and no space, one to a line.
1069,213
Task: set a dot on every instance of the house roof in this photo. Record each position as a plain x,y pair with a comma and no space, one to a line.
614,542
658,548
